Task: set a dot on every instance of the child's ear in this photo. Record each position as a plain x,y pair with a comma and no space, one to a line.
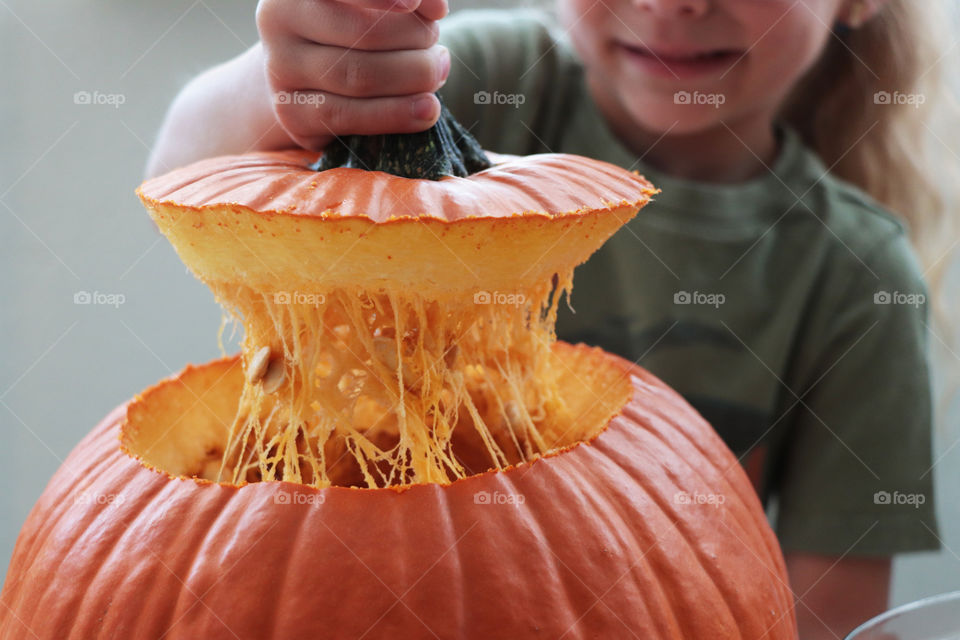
854,13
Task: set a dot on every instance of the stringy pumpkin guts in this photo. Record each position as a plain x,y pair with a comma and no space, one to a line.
388,388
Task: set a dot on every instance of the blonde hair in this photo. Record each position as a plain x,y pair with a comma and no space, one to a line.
877,108
881,111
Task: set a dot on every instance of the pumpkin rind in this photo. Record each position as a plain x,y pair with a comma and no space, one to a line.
267,220
550,184
600,547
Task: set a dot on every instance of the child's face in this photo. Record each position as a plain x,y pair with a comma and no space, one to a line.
685,66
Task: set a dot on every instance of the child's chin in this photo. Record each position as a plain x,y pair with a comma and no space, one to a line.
676,119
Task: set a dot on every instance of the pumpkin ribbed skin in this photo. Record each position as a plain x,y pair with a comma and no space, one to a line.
600,547
550,184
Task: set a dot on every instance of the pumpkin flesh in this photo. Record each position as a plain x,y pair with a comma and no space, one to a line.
414,318
391,390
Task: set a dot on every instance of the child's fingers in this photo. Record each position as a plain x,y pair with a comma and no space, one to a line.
338,24
361,74
433,9
429,9
329,114
399,6
354,67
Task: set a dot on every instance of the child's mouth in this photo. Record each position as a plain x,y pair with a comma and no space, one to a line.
681,64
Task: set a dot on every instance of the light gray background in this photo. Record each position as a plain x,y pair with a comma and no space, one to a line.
70,222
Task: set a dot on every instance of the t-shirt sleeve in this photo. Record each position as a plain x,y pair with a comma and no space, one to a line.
504,68
856,475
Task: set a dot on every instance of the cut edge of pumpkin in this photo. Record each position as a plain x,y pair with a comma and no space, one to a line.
148,415
277,251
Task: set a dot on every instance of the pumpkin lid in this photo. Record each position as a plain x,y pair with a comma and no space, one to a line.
282,182
272,221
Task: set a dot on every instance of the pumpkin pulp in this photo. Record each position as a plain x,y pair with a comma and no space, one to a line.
385,388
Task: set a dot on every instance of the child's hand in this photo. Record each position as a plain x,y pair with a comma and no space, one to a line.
352,66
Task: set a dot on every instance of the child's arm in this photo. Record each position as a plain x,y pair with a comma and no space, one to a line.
323,68
837,593
226,109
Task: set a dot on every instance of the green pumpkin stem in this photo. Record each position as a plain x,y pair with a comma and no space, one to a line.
445,149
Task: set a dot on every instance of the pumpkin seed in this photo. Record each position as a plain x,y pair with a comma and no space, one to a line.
274,376
258,364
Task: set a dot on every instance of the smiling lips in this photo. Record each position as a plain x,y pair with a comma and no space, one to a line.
680,63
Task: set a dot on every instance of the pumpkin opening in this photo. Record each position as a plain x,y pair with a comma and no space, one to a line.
389,386
378,383
408,324
182,425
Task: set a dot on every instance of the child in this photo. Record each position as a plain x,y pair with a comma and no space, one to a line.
783,301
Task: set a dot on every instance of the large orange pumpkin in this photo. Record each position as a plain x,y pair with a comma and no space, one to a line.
479,513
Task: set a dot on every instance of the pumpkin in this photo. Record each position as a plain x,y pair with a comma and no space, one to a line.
402,448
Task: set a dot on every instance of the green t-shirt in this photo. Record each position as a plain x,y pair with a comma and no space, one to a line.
787,309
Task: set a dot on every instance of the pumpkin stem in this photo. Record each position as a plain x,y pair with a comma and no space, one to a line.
445,149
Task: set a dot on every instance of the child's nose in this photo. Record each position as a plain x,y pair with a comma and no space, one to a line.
681,8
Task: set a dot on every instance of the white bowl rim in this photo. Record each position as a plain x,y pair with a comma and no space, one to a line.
904,608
